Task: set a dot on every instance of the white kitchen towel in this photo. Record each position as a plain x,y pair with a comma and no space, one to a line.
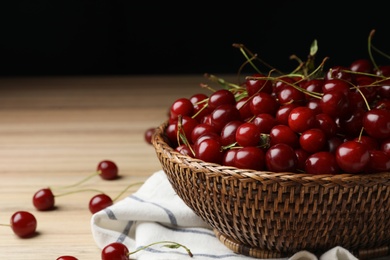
155,213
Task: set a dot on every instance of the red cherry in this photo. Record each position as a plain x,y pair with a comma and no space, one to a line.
263,103
185,150
221,97
107,170
209,150
326,123
99,202
115,251
243,106
250,157
224,114
376,123
228,132
186,126
200,106
23,224
301,119
335,104
229,157
148,134
281,158
352,156
258,83
362,65
339,72
247,134
289,95
385,146
264,122
322,162
201,129
301,156
312,140
283,112
283,134
43,199
336,85
181,106
67,257
379,161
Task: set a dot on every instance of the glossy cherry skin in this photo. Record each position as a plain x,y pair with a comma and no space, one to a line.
23,224
301,119
250,157
228,132
228,158
99,202
115,251
352,156
264,122
312,140
201,129
243,106
322,162
149,134
209,150
263,103
283,134
261,83
181,106
376,123
379,161
247,134
67,257
281,158
43,199
201,109
221,97
224,114
107,170
335,104
185,150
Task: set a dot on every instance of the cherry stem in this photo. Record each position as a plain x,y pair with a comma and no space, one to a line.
76,191
128,187
169,244
78,183
5,225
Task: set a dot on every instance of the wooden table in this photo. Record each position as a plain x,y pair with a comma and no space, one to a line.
55,130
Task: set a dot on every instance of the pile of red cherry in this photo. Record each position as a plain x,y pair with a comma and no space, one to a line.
336,123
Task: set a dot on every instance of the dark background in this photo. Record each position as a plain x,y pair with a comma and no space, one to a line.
131,37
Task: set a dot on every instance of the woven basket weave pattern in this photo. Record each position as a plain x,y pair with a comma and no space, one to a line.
265,214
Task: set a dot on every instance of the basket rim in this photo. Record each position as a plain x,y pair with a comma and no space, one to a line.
160,145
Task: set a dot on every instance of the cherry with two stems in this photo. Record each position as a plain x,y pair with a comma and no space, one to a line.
44,200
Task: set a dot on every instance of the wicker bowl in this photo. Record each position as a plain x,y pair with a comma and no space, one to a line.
271,215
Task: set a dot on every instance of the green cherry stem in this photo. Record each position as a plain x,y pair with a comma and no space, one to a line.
128,187
169,244
77,183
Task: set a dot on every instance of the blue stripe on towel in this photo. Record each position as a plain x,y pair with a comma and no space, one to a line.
125,231
171,216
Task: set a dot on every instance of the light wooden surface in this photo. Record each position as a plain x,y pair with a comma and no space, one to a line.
54,131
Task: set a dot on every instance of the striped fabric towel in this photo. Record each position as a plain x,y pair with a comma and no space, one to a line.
155,213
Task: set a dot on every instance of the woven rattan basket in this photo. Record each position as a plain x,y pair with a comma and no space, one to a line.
272,215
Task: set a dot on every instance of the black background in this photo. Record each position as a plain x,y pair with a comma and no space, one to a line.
131,37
